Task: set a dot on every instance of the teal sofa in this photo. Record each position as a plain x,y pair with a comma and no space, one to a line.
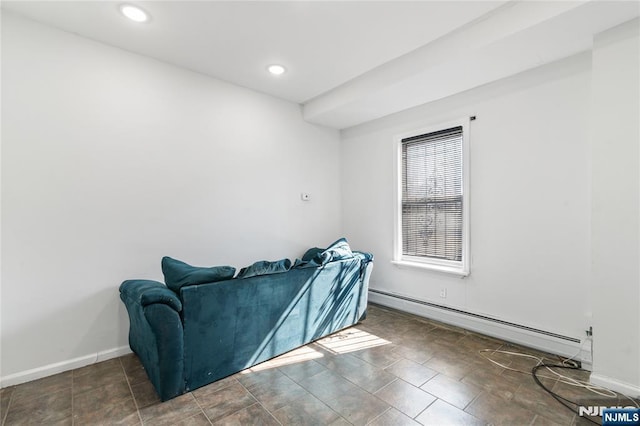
204,332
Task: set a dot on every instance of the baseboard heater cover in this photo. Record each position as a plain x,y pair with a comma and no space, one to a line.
471,314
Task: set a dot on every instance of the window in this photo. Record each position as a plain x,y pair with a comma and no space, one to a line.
432,212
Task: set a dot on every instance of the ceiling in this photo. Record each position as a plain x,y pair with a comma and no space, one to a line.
348,62
322,44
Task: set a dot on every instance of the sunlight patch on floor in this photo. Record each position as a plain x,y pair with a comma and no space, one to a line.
351,340
302,354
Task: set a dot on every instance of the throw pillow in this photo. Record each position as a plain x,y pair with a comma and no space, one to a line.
337,251
178,274
315,256
311,253
265,267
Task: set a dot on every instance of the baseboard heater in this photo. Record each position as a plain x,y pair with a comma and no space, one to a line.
471,314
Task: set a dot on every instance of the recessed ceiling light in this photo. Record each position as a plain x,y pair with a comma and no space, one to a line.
134,13
276,69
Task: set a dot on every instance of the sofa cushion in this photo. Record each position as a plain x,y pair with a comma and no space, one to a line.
178,274
265,267
311,253
337,251
315,256
147,292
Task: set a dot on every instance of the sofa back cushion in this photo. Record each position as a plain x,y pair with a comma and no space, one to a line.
265,267
178,274
233,325
314,257
338,250
312,253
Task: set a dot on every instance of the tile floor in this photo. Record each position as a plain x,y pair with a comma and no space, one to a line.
392,369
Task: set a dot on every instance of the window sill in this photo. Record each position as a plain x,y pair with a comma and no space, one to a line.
431,267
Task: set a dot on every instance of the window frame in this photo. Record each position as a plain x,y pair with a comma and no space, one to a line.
459,268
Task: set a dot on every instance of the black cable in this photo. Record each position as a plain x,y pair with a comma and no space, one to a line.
555,396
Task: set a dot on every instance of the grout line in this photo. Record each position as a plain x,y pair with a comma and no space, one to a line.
392,364
387,385
4,416
431,378
270,413
258,402
201,409
380,415
310,394
427,407
135,403
305,377
482,391
425,382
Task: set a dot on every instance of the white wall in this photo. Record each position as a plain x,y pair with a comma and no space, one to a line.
111,160
615,226
530,198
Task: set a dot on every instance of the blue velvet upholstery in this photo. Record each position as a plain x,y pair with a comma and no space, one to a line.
337,251
311,253
315,256
265,267
227,326
156,334
177,273
147,292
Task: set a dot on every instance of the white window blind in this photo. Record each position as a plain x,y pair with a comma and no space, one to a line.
432,195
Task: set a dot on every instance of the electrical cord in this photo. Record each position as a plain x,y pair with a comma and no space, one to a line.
567,363
555,396
560,377
571,359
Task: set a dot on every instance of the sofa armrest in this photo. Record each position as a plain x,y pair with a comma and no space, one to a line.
147,292
156,333
366,266
364,256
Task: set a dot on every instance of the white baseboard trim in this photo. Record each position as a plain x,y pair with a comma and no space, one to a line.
522,337
59,367
616,385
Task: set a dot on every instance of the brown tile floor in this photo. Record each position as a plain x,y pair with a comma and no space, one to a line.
393,369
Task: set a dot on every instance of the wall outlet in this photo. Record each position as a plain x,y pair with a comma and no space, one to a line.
305,196
443,293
